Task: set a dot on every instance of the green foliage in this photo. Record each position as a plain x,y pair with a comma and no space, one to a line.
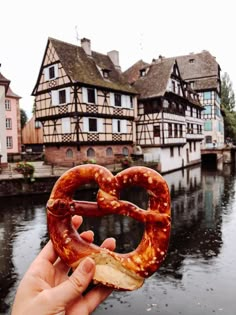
227,106
89,161
26,169
23,118
227,93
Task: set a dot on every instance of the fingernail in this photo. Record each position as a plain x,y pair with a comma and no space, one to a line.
87,265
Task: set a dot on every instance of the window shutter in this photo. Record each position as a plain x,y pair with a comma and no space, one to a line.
123,101
123,126
84,95
86,125
56,70
114,125
55,97
68,95
46,74
100,125
96,96
65,125
112,99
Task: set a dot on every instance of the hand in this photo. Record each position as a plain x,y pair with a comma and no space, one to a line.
46,288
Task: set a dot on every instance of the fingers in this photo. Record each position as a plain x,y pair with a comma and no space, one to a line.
48,253
109,243
69,290
96,296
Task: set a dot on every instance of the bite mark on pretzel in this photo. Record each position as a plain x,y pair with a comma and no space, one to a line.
121,271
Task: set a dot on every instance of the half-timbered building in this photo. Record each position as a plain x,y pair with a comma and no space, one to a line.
85,106
169,126
202,72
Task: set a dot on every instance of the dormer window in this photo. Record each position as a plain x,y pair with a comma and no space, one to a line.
191,60
142,72
105,73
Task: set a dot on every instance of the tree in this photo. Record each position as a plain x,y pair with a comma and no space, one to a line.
23,118
227,93
227,106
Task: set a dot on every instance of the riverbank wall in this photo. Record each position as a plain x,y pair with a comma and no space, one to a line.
17,186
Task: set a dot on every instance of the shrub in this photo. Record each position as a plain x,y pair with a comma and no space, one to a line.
26,169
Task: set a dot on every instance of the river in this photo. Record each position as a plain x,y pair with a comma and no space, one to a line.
199,273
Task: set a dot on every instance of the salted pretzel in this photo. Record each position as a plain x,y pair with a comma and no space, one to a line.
120,271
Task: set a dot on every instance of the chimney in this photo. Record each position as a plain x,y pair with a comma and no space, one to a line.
86,45
114,56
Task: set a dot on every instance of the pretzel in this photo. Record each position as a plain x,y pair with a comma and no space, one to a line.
120,271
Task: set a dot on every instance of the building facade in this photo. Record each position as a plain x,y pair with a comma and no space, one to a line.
86,108
202,72
169,126
13,126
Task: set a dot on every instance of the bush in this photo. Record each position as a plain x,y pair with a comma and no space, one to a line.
26,169
126,162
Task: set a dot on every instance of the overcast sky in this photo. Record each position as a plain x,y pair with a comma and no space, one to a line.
137,29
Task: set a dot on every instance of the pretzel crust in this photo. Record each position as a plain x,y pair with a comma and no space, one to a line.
120,271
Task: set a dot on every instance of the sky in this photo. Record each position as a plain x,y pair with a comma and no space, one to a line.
138,29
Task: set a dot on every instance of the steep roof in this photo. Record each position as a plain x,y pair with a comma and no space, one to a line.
132,74
11,94
4,81
202,68
154,83
85,69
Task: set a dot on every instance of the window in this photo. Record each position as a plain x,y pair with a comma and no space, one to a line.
121,100
208,139
207,110
92,124
117,99
206,95
91,95
69,154
170,130
109,151
176,130
9,143
156,131
171,151
38,124
173,86
119,126
208,125
191,60
60,96
90,152
142,72
7,105
8,123
181,131
125,151
105,73
51,72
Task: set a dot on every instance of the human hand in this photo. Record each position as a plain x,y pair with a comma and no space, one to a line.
46,288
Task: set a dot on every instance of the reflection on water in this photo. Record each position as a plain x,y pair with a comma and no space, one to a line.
199,273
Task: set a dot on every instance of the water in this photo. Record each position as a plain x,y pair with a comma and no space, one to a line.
199,273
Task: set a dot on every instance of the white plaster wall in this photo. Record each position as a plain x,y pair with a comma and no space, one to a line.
3,149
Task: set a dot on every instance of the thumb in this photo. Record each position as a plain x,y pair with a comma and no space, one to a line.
77,283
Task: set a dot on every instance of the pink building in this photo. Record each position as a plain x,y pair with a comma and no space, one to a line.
13,128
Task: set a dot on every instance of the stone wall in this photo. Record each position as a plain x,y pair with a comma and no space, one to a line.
14,187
